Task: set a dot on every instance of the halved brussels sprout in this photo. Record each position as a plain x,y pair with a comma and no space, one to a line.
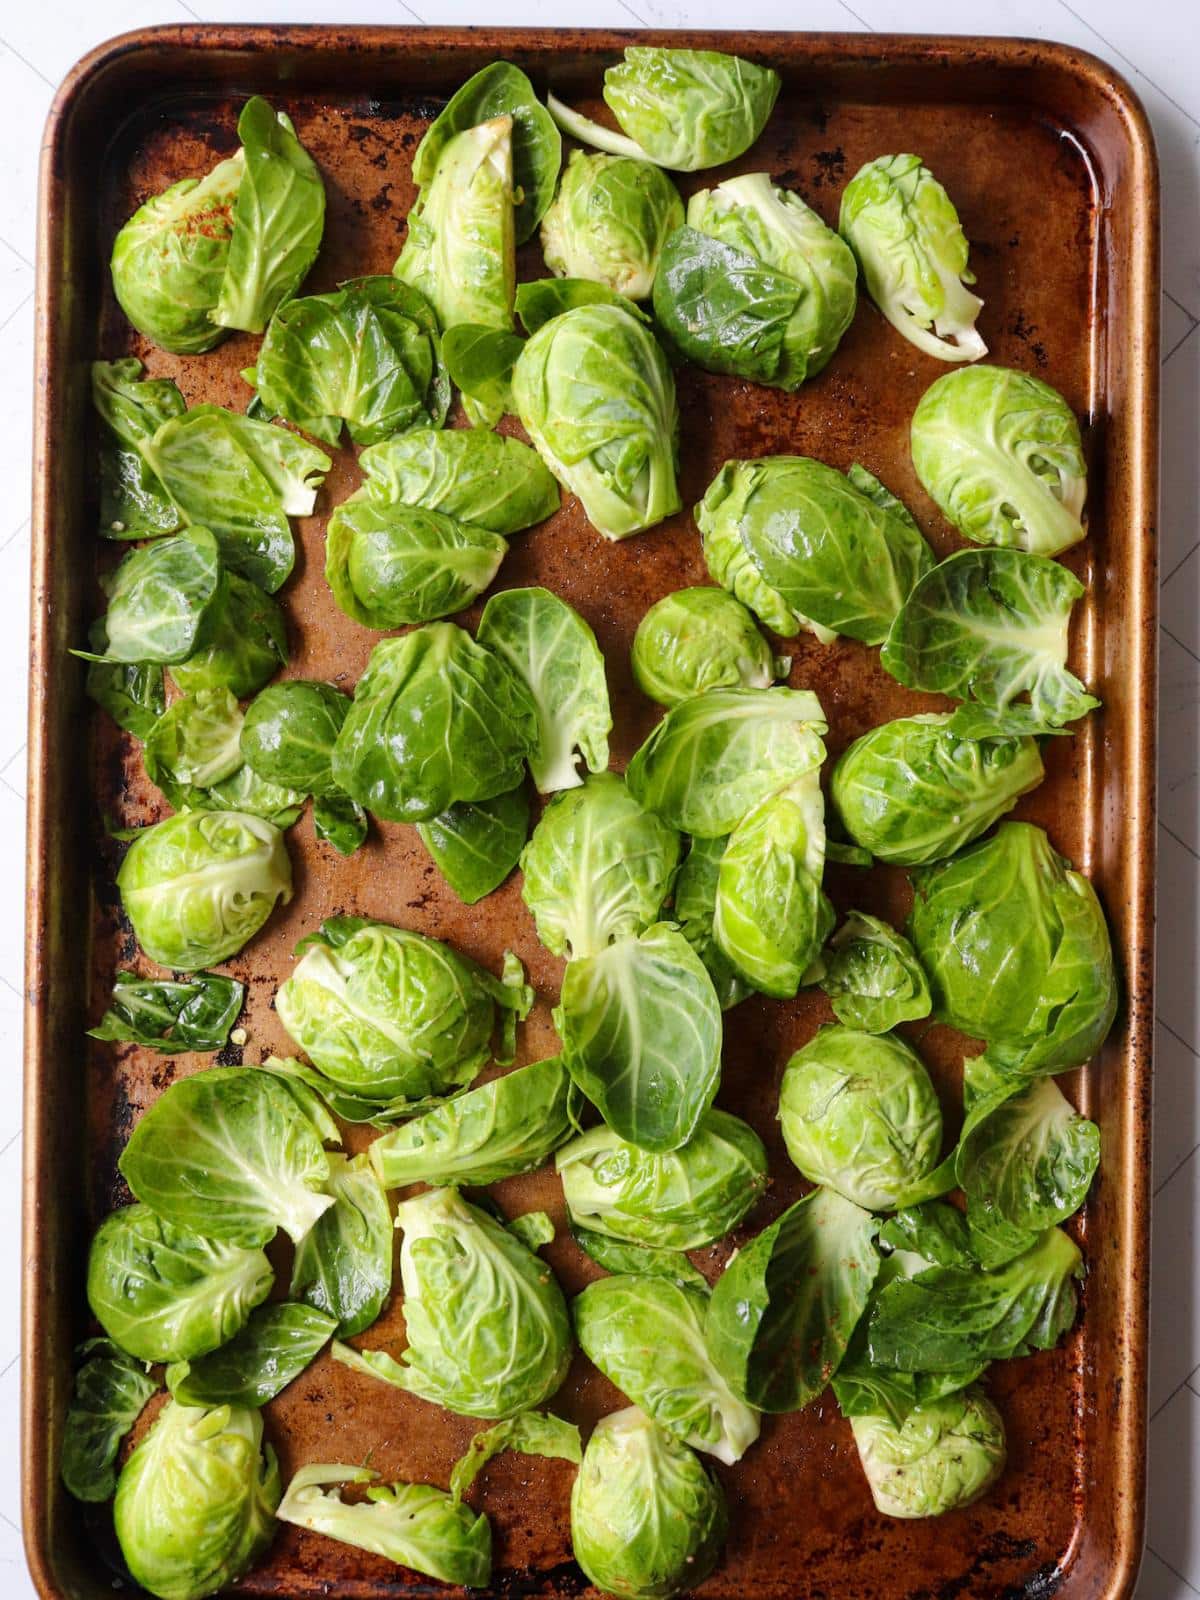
943,1456
905,232
860,1114
1017,949
913,791
195,1505
700,639
609,222
872,976
1000,452
647,1519
595,394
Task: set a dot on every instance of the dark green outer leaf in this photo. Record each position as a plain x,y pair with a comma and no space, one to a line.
934,1230
272,1350
133,693
477,843
344,1265
110,1391
480,362
289,733
167,1016
341,822
546,298
643,1261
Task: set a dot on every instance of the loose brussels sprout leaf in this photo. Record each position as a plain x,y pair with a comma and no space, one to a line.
1000,453
343,1266
945,1455
169,260
533,1229
700,639
480,362
847,855
695,902
501,89
436,719
1029,963
246,792
158,600
949,1317
684,1199
110,1392
163,1293
714,758
647,1519
596,396
306,1087
530,1432
935,1231
641,1030
554,652
640,1260
229,1153
538,302
783,1310
510,1125
242,645
272,1350
390,565
839,552
278,220
860,1114
1028,1157
195,1505
872,976
989,625
911,791
905,233
597,868
200,885
460,249
194,744
367,354
133,504
132,692
486,479
994,1241
609,222
388,1013
289,733
340,821
242,478
770,915
172,1015
647,1337
477,843
412,1524
488,1331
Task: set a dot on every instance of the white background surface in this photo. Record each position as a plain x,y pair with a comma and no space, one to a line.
1154,43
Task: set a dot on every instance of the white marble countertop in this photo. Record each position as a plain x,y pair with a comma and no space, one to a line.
1154,44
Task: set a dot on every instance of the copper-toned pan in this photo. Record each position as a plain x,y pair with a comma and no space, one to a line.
1050,160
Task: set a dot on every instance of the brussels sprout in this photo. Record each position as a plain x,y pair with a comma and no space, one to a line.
271,1351
913,791
950,1317
647,1519
460,250
839,553
229,1153
390,1014
646,1335
108,1397
159,599
943,1456
640,1025
488,1331
343,1265
905,232
199,886
872,976
436,719
595,394
488,480
242,644
597,868
501,89
755,286
683,109
412,1524
609,222
695,903
172,1015
770,916
699,639
195,1505
554,652
475,844
510,1125
683,1199
1000,453
133,504
1026,1156
367,355
1017,949
169,260
860,1114
715,757
784,1309
530,1432
289,733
